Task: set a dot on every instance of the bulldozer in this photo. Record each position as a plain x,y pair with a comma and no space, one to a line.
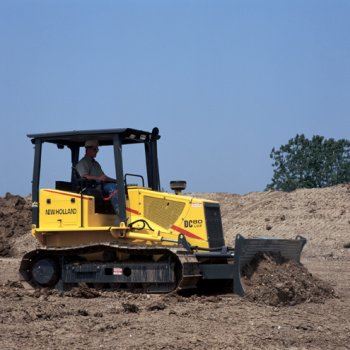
162,242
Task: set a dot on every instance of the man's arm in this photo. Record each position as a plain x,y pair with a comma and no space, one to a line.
101,178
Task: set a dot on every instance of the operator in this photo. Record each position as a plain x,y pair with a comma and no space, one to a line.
90,169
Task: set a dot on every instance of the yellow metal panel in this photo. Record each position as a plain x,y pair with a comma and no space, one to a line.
170,214
154,216
58,209
163,212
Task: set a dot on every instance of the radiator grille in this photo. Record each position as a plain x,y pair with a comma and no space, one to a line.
214,225
162,211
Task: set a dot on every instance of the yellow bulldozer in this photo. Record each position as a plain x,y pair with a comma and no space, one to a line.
163,241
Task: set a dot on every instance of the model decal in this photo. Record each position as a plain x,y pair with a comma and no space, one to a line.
193,223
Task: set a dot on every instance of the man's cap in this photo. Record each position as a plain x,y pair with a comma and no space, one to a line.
91,143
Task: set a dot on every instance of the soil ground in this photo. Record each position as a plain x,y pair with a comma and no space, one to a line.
286,306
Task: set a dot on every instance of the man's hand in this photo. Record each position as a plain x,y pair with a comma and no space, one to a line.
103,178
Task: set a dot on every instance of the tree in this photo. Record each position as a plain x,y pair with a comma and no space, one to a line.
315,163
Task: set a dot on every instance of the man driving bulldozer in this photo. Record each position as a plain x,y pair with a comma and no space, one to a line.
88,168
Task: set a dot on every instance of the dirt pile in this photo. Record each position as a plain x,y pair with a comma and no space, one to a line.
15,221
83,291
274,281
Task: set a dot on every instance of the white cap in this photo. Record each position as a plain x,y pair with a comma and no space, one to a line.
91,143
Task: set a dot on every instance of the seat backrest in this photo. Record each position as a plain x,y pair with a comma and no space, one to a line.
76,181
80,183
64,186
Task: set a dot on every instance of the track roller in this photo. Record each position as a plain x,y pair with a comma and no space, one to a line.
45,272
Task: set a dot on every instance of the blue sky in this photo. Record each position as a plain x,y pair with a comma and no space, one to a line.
224,81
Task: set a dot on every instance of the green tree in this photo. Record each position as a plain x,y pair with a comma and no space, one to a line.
315,163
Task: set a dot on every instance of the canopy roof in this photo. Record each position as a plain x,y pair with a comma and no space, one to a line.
104,136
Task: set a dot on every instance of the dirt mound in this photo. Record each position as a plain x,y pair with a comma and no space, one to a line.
83,291
15,221
275,281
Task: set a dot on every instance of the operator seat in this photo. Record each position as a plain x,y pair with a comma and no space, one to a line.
92,188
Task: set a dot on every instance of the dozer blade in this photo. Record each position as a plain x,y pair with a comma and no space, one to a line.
248,248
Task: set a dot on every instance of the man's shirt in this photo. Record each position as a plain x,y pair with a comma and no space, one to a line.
89,166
